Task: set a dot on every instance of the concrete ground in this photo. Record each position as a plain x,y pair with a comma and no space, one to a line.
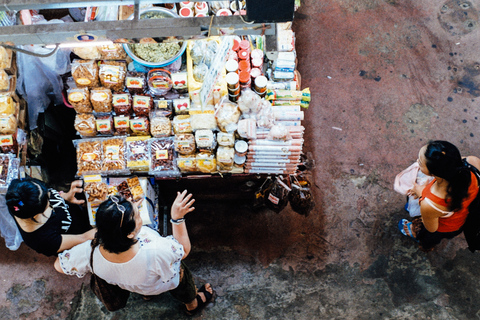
386,76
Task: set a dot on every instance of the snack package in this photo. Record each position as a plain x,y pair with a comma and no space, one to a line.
122,103
4,81
8,144
162,157
7,105
266,116
227,116
79,98
179,80
206,162
138,156
112,51
87,53
85,73
9,170
89,156
277,198
225,139
140,126
164,107
301,198
187,163
203,121
205,140
95,188
101,99
160,126
181,124
142,105
185,143
104,124
135,188
225,158
279,132
248,103
8,124
122,125
262,193
136,82
112,74
181,105
114,156
85,124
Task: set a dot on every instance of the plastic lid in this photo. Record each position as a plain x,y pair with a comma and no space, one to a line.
224,12
185,12
241,146
257,54
239,159
243,54
244,76
232,78
236,45
244,65
231,65
245,45
255,72
261,81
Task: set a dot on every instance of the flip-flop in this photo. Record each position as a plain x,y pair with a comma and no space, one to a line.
209,297
405,222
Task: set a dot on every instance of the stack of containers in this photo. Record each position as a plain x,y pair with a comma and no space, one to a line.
193,9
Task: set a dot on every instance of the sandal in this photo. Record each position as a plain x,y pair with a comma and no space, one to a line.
209,297
401,226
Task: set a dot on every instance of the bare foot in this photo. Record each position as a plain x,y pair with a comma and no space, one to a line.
194,304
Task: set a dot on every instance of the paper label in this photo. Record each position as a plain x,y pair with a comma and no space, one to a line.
76,96
131,82
6,141
273,199
99,96
120,99
138,124
141,101
113,153
92,178
89,157
162,104
161,154
83,81
104,125
111,74
121,122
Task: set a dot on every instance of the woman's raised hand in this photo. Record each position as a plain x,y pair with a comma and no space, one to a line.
182,205
75,187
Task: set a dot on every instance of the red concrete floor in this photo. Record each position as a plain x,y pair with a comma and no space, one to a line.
386,76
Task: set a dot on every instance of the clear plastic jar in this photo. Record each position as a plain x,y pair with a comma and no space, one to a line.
159,81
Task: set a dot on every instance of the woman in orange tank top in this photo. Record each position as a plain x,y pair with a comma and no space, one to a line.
444,201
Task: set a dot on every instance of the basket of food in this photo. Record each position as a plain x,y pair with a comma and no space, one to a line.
151,52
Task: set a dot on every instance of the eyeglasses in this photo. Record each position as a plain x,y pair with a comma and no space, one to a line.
120,208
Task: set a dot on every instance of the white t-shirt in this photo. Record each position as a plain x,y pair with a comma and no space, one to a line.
154,269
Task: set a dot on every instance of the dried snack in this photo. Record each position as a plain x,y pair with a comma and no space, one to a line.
163,107
85,124
142,105
205,140
225,158
104,124
181,124
114,154
8,144
8,124
185,143
122,103
181,105
96,191
112,74
85,73
112,51
7,105
203,121
4,58
140,126
79,98
227,116
138,156
87,53
206,162
162,157
136,82
4,81
122,125
124,190
5,160
101,99
160,126
225,139
187,163
89,156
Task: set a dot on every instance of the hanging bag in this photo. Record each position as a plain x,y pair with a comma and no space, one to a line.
112,296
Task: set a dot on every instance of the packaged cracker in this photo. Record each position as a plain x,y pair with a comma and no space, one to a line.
162,157
160,126
205,140
101,99
185,143
140,126
112,51
136,82
225,139
114,155
122,103
79,98
181,124
227,116
225,158
85,73
142,105
85,124
206,162
8,124
135,188
187,163
89,156
96,189
122,125
104,124
138,155
112,74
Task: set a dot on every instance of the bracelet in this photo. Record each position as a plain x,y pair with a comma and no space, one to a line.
178,221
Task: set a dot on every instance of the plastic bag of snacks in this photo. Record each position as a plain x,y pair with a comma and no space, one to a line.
8,143
247,128
122,103
181,105
206,162
104,124
9,170
96,189
227,116
112,74
160,126
181,124
225,139
163,107
162,157
8,124
85,125
114,156
142,105
79,98
85,73
136,82
187,163
7,105
266,116
301,196
205,140
138,156
4,81
279,132
185,143
112,51
277,198
225,158
89,156
122,125
140,126
101,99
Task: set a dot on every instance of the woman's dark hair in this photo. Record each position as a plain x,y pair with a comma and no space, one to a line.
112,231
443,160
26,198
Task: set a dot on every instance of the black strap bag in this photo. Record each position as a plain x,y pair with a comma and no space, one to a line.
112,296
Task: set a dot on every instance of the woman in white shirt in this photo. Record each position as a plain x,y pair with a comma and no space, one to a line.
137,258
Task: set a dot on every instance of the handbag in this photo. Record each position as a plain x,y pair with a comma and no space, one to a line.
112,296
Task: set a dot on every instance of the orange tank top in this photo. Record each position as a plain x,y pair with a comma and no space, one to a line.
457,219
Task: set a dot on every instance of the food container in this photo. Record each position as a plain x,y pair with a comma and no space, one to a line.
239,161
260,85
89,156
181,106
244,65
224,13
206,162
185,12
85,125
201,7
232,79
138,156
185,143
159,81
113,51
181,124
205,140
163,107
187,163
225,158
101,99
112,74
225,139
122,103
231,66
179,81
241,148
187,4
136,82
